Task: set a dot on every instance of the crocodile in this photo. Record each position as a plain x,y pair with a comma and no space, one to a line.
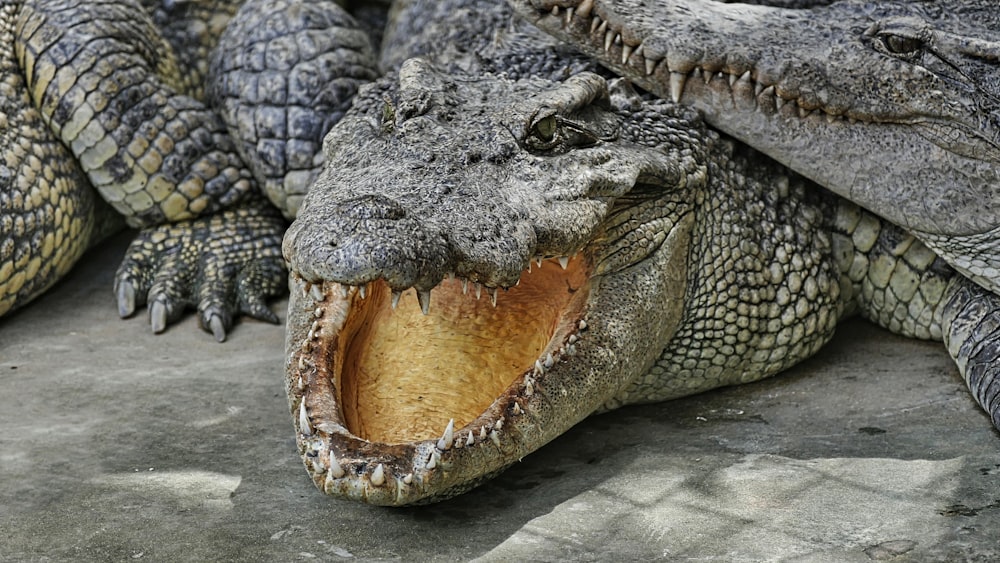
502,240
496,255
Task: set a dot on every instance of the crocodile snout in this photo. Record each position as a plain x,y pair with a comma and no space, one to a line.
365,238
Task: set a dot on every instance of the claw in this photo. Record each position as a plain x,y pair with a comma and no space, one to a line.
158,317
217,327
258,309
126,299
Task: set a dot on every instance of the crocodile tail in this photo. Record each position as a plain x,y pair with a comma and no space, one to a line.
971,322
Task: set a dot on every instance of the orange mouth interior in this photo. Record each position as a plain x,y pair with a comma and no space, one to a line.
402,375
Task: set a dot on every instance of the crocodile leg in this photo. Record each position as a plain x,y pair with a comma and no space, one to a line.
223,264
283,74
107,84
971,322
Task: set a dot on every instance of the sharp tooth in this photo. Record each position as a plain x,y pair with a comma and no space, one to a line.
603,28
424,299
378,476
584,9
529,388
517,408
582,324
538,261
408,479
316,292
493,296
336,470
499,424
549,362
564,262
495,437
344,289
301,383
479,291
304,425
482,433
302,367
609,39
677,80
445,442
573,338
569,15
318,312
595,23
363,290
626,52
465,286
395,297
470,440
650,65
555,10
538,367
432,461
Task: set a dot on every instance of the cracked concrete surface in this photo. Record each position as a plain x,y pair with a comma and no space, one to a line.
119,445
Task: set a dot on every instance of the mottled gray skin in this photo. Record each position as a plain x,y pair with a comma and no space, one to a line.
708,264
893,105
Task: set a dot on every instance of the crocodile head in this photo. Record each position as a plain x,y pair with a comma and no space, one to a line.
894,105
469,276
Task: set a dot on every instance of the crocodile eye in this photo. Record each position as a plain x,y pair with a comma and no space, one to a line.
545,128
901,45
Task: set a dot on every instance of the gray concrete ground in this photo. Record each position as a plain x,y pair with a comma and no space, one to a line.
117,445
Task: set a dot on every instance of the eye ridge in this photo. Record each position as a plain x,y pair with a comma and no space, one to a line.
901,44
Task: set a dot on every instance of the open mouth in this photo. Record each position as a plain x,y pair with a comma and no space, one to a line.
402,375
383,377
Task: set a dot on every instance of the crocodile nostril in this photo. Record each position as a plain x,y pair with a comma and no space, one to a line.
373,206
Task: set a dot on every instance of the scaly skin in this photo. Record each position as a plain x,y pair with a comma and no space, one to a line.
427,350
46,221
892,105
286,73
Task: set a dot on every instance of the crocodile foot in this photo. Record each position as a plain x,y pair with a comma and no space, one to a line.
223,265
